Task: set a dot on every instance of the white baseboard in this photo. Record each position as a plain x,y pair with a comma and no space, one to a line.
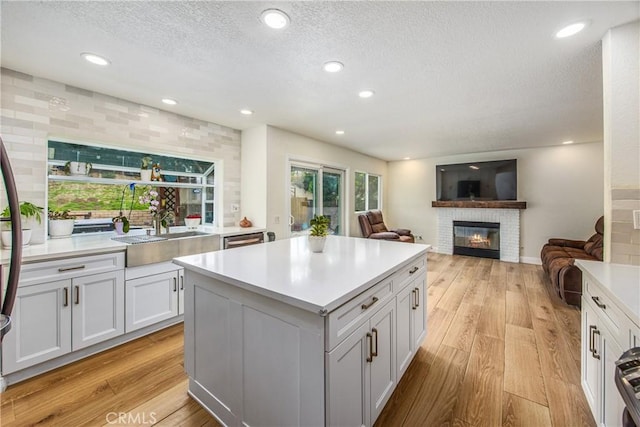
530,260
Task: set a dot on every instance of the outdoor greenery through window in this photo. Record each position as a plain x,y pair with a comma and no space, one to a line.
97,184
367,191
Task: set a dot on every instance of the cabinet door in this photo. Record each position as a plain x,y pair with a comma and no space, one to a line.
383,365
590,365
419,311
347,379
612,403
404,318
181,291
150,299
41,326
98,308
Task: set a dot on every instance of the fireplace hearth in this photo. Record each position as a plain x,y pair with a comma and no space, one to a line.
473,238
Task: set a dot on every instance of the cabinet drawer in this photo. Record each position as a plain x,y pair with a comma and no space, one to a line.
70,267
615,320
346,318
409,271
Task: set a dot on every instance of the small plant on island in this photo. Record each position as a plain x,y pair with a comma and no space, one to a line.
319,226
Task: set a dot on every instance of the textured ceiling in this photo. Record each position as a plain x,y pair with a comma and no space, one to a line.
449,77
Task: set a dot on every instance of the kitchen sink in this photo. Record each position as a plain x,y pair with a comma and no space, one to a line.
143,249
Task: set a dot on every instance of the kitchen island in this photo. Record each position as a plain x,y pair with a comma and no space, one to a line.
278,335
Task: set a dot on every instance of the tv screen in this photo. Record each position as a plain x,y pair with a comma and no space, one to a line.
495,180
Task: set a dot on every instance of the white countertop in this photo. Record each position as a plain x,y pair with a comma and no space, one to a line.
97,243
620,282
288,271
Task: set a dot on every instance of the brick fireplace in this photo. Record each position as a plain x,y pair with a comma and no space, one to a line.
508,219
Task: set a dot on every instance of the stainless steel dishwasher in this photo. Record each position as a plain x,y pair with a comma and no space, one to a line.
237,241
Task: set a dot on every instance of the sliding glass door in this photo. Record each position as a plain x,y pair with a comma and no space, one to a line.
315,190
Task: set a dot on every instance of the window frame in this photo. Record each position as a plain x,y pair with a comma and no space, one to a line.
366,191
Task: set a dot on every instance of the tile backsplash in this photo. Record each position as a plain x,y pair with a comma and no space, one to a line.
34,110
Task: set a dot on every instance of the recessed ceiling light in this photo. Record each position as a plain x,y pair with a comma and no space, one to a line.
274,18
571,30
366,93
169,101
246,112
339,132
567,142
333,66
475,168
95,59
406,158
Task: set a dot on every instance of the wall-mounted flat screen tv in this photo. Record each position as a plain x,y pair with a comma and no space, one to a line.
495,180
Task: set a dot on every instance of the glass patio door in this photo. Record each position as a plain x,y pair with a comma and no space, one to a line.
315,190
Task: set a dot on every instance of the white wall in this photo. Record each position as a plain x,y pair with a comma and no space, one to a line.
253,188
621,93
283,145
562,186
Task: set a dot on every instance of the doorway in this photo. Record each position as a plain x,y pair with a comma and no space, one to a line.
315,190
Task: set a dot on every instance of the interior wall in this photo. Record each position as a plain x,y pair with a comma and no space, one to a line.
562,186
282,146
621,93
36,109
253,160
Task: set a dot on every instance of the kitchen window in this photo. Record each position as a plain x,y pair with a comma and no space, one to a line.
95,183
367,191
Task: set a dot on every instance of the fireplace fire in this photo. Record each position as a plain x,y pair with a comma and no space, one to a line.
481,239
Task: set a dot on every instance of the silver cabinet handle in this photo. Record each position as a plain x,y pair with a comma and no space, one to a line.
591,328
373,301
374,353
370,340
77,299
63,269
598,303
65,298
595,351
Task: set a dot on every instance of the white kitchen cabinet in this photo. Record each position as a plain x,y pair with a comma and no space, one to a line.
607,331
57,317
153,298
411,325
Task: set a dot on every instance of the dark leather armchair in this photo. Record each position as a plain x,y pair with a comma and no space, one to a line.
558,257
373,227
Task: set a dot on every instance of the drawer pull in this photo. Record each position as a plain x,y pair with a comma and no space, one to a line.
77,289
595,351
370,340
366,306
375,352
598,303
65,298
78,267
413,270
175,284
413,299
417,297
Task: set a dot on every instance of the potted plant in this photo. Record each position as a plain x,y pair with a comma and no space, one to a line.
318,233
145,168
60,224
29,212
120,221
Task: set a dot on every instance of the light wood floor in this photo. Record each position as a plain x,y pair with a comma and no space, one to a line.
500,350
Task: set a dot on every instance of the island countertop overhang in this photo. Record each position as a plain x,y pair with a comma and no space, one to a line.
286,270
